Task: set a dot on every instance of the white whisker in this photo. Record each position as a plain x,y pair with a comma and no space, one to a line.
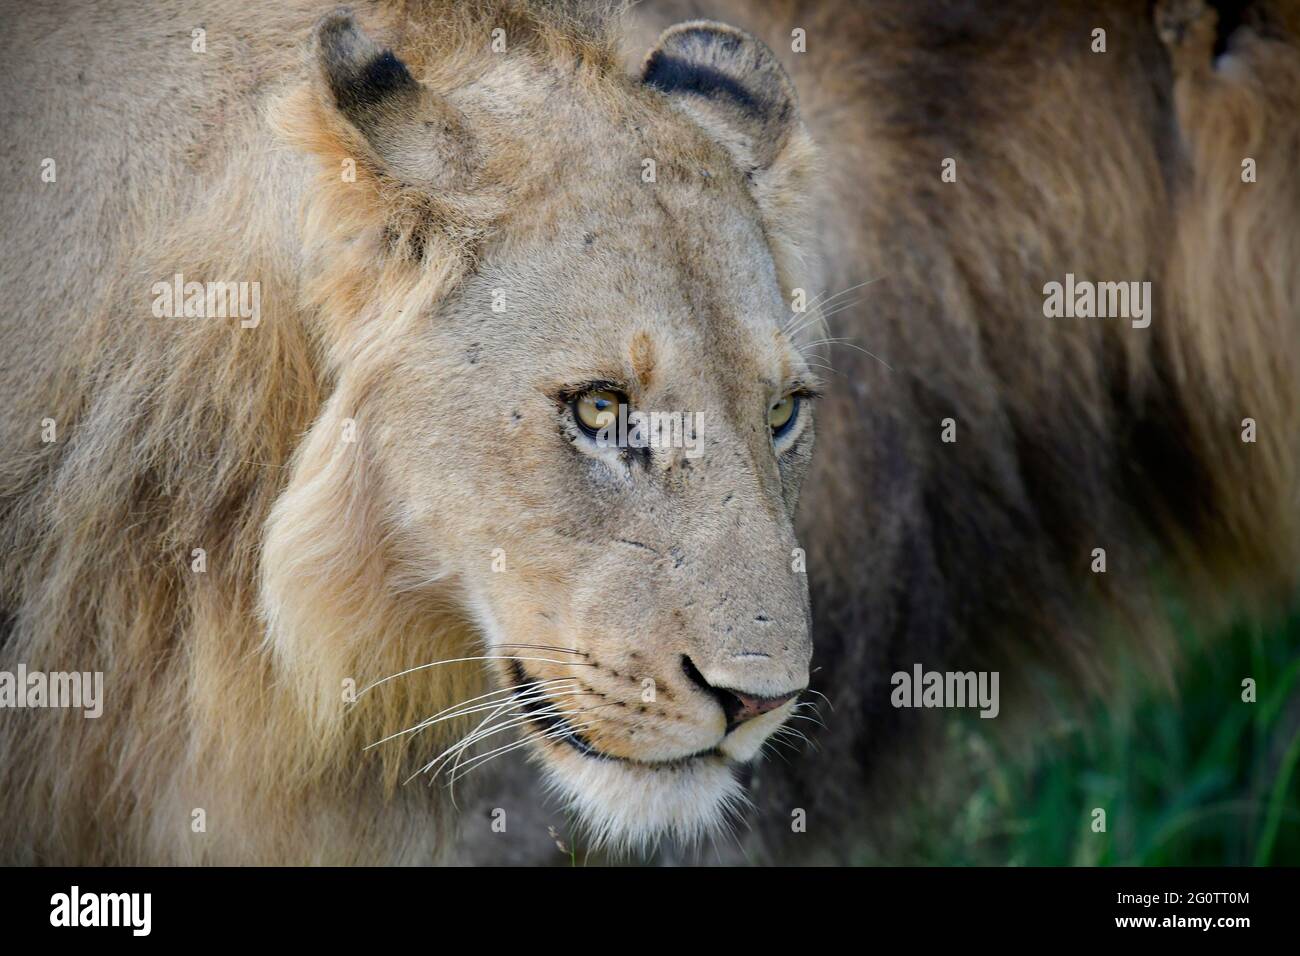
823,697
512,720
460,710
462,660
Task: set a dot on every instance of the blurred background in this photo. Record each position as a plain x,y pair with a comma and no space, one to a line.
1187,778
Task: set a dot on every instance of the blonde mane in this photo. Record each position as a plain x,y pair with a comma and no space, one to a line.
176,436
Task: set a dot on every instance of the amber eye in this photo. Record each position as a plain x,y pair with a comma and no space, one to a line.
781,416
597,409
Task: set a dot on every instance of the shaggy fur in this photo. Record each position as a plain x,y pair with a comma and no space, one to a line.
353,464
1072,433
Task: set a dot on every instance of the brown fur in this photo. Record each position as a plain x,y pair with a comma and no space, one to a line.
1071,433
335,565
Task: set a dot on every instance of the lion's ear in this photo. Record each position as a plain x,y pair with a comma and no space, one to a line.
418,138
732,85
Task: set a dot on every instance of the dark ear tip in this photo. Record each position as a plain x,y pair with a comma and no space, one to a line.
708,31
720,43
722,50
357,71
339,40
730,81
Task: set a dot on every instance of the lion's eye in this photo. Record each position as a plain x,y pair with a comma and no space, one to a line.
597,409
782,415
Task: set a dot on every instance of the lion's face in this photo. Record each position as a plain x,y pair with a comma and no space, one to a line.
597,437
642,599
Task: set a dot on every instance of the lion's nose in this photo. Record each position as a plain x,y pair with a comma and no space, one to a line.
738,706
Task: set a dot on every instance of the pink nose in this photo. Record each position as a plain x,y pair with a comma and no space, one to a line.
741,707
737,705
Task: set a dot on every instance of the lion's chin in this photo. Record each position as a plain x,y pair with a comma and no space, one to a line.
631,807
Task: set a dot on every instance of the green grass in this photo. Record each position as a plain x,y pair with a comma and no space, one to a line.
1193,778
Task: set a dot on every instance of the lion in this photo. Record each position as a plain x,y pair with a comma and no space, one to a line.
1124,160
310,573
306,566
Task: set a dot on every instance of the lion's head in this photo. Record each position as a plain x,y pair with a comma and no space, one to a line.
556,298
